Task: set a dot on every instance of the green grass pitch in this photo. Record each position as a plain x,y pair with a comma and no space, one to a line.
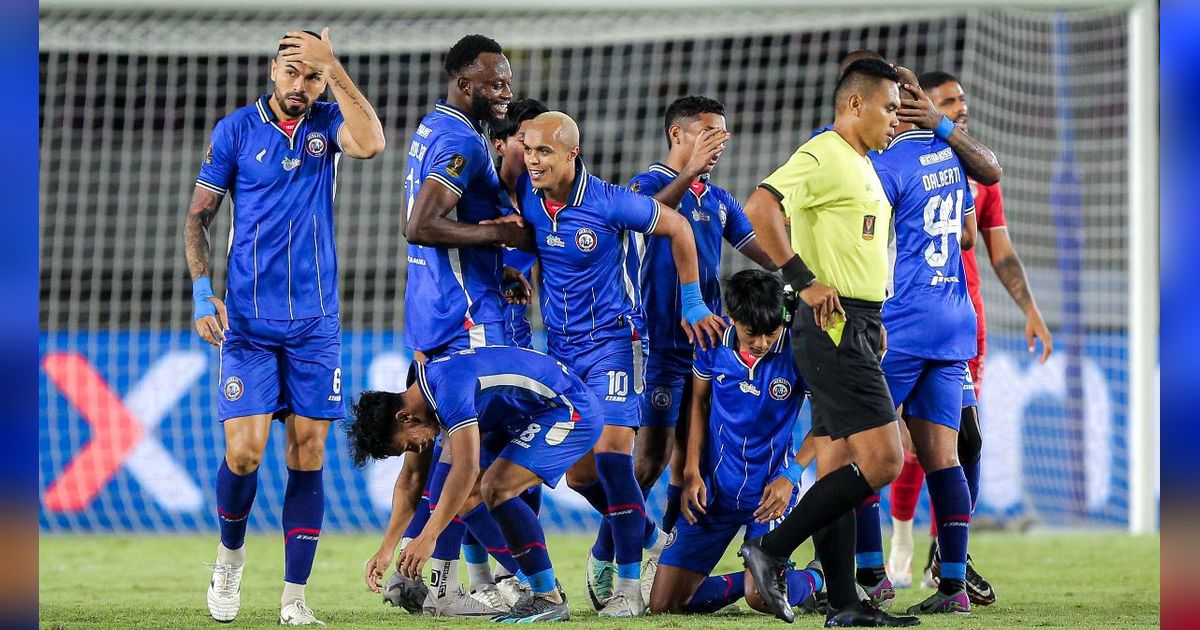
1076,580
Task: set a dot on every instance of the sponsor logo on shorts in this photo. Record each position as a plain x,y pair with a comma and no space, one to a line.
614,399
234,388
585,240
661,397
749,388
780,389
315,144
671,536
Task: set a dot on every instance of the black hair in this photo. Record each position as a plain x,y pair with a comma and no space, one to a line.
464,53
689,107
375,423
873,70
856,55
283,47
518,112
755,298
934,79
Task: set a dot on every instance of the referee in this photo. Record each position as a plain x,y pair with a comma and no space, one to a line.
838,260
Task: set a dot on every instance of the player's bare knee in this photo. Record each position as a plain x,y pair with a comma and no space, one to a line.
493,491
307,452
243,459
647,470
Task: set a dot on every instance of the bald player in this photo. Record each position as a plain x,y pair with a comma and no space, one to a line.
837,260
586,232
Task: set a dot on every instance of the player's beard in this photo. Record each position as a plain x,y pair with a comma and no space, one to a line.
481,109
290,109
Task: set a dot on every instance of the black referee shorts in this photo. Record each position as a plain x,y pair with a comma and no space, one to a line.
848,391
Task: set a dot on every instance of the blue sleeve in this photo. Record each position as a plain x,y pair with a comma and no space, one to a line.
455,162
738,231
702,366
454,405
647,184
219,169
632,211
891,187
334,125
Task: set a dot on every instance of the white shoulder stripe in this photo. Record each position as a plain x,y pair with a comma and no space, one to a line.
213,187
462,425
700,375
445,182
745,241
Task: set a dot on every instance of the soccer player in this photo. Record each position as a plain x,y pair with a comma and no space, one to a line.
925,183
455,274
585,237
277,328
948,96
696,134
524,412
839,220
738,470
506,139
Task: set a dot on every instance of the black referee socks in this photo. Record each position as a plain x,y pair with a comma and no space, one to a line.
829,498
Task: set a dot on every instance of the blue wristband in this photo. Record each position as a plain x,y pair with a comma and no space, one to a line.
792,473
201,291
944,128
694,308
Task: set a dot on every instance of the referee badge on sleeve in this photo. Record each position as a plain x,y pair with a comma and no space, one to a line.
868,227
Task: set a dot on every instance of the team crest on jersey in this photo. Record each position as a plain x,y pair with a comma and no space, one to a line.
780,389
585,239
315,144
234,388
661,397
868,227
290,163
723,213
749,388
456,165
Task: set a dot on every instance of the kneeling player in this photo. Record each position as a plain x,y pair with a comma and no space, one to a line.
541,417
746,396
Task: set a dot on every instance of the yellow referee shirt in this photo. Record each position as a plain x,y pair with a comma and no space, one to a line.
839,215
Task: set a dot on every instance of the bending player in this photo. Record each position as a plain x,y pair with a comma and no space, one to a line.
950,100
927,188
279,334
584,230
738,470
452,296
524,413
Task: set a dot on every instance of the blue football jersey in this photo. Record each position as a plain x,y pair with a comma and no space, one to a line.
498,388
753,411
929,313
449,289
282,260
714,215
589,252
514,314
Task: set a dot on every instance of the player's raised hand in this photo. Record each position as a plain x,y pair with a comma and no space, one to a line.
376,567
824,302
415,555
516,287
308,50
212,324
917,108
709,145
774,500
706,332
694,497
1035,326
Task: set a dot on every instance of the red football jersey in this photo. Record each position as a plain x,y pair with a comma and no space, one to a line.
989,212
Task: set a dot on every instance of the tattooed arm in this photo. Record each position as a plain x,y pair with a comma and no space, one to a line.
210,321
361,136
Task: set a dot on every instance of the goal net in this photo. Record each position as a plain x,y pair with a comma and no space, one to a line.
128,435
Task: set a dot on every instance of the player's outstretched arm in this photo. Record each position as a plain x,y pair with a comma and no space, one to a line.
208,311
1011,272
701,326
695,494
362,134
427,223
464,472
709,144
406,493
